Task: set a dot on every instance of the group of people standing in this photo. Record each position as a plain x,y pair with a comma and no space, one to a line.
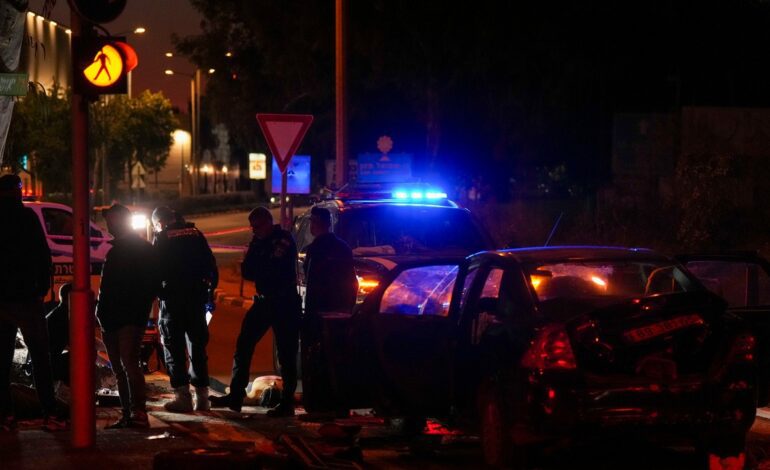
180,270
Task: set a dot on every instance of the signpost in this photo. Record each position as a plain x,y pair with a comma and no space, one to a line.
284,133
13,84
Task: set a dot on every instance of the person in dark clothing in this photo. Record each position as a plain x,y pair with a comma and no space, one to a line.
25,277
128,288
331,284
58,322
271,262
188,271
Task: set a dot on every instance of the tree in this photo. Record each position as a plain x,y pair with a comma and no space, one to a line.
40,128
129,129
133,130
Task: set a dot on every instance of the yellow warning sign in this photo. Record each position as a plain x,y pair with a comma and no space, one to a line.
106,68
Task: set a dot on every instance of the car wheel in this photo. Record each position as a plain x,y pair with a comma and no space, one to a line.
496,442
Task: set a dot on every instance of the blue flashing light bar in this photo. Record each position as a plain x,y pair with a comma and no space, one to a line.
431,195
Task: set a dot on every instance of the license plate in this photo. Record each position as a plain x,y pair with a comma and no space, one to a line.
661,328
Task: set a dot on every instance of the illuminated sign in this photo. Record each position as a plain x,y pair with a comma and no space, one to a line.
102,65
106,68
257,166
297,175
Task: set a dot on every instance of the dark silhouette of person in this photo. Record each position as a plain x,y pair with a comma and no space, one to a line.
330,279
25,278
129,286
271,262
188,272
58,321
103,61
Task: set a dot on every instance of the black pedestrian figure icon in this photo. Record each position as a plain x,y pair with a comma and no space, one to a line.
104,60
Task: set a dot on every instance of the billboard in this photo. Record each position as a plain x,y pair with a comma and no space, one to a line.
298,176
392,168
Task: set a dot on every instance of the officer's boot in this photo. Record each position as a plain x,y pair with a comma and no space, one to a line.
182,402
202,399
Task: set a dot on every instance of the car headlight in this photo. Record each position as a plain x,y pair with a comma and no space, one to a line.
139,221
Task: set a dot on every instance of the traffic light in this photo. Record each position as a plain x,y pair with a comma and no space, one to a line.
101,65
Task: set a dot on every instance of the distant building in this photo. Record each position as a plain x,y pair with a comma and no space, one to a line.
46,52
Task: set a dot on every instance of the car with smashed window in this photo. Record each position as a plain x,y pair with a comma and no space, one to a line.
387,224
535,345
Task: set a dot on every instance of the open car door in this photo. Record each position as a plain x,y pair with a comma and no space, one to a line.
743,280
411,337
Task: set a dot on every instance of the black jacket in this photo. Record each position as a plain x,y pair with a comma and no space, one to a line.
25,259
272,264
187,265
129,283
329,275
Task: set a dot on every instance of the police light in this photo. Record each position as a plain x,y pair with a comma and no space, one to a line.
430,195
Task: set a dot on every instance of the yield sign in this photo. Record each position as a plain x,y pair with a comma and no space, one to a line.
284,133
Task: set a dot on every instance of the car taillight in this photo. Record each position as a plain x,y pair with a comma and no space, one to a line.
743,348
550,349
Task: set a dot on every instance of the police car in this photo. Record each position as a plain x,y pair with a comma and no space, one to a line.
57,222
388,224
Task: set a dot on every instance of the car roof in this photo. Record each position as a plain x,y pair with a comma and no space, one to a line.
53,205
573,252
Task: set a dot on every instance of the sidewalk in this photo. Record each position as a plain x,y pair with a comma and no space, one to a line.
29,447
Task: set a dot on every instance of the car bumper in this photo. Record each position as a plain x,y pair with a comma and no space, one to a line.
566,405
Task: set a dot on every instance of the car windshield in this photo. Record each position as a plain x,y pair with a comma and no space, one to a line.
397,230
607,281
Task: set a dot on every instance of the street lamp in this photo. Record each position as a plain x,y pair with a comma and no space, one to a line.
181,137
194,115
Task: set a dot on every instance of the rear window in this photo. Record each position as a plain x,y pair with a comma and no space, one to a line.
410,230
614,279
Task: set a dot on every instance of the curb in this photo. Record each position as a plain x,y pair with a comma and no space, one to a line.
221,298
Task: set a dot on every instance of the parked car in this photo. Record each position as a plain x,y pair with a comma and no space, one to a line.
534,345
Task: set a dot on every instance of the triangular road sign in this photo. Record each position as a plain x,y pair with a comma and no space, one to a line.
284,133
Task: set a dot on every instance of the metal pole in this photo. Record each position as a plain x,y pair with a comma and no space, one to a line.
193,135
341,164
82,349
197,149
284,218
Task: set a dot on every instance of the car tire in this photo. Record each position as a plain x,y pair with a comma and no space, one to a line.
496,438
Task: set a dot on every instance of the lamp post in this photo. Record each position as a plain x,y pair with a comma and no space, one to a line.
195,115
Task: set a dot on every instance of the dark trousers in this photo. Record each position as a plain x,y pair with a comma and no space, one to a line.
184,333
123,347
27,316
282,314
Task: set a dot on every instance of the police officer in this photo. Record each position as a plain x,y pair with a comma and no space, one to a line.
271,262
331,283
188,271
25,277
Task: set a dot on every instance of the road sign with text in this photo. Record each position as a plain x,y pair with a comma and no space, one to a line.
284,133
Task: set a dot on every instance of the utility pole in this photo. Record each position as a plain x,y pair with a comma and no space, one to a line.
82,348
341,164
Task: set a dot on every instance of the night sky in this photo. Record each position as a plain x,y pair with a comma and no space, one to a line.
161,18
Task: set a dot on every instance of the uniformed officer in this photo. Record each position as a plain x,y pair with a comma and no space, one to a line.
271,262
188,272
331,283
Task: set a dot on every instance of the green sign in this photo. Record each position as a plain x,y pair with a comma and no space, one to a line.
13,84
